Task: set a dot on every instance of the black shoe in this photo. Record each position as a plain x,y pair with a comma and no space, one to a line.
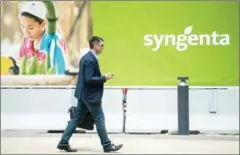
113,148
66,147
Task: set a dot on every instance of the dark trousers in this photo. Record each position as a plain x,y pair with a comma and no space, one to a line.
98,117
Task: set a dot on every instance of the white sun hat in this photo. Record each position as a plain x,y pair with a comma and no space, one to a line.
36,8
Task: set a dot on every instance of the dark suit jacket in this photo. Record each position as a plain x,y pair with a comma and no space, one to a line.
90,81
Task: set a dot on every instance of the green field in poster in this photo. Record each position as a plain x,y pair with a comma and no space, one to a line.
152,43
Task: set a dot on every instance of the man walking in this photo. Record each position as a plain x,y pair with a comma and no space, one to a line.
89,92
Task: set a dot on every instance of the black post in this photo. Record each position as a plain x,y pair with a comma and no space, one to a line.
183,106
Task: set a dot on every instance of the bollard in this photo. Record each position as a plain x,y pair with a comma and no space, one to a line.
183,106
124,105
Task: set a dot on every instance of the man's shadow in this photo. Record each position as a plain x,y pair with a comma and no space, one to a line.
84,149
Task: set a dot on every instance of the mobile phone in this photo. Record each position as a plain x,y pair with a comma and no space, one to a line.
112,75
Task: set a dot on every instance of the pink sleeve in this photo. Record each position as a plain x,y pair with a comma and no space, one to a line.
22,49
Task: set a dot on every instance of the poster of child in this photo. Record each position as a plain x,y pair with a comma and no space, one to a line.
46,51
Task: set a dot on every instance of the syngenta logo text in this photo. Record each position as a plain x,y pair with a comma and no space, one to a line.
183,41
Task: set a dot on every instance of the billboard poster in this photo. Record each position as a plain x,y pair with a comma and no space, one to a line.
40,44
152,43
147,43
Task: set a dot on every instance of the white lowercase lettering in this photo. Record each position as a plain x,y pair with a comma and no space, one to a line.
183,41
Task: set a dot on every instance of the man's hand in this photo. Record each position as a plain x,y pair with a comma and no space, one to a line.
109,76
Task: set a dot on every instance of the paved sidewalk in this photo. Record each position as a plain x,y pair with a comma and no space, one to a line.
42,143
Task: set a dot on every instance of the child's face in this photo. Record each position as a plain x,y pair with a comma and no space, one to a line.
31,28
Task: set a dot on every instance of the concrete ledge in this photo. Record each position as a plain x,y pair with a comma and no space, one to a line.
22,80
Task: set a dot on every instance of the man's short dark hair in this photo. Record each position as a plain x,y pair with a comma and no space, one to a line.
93,40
